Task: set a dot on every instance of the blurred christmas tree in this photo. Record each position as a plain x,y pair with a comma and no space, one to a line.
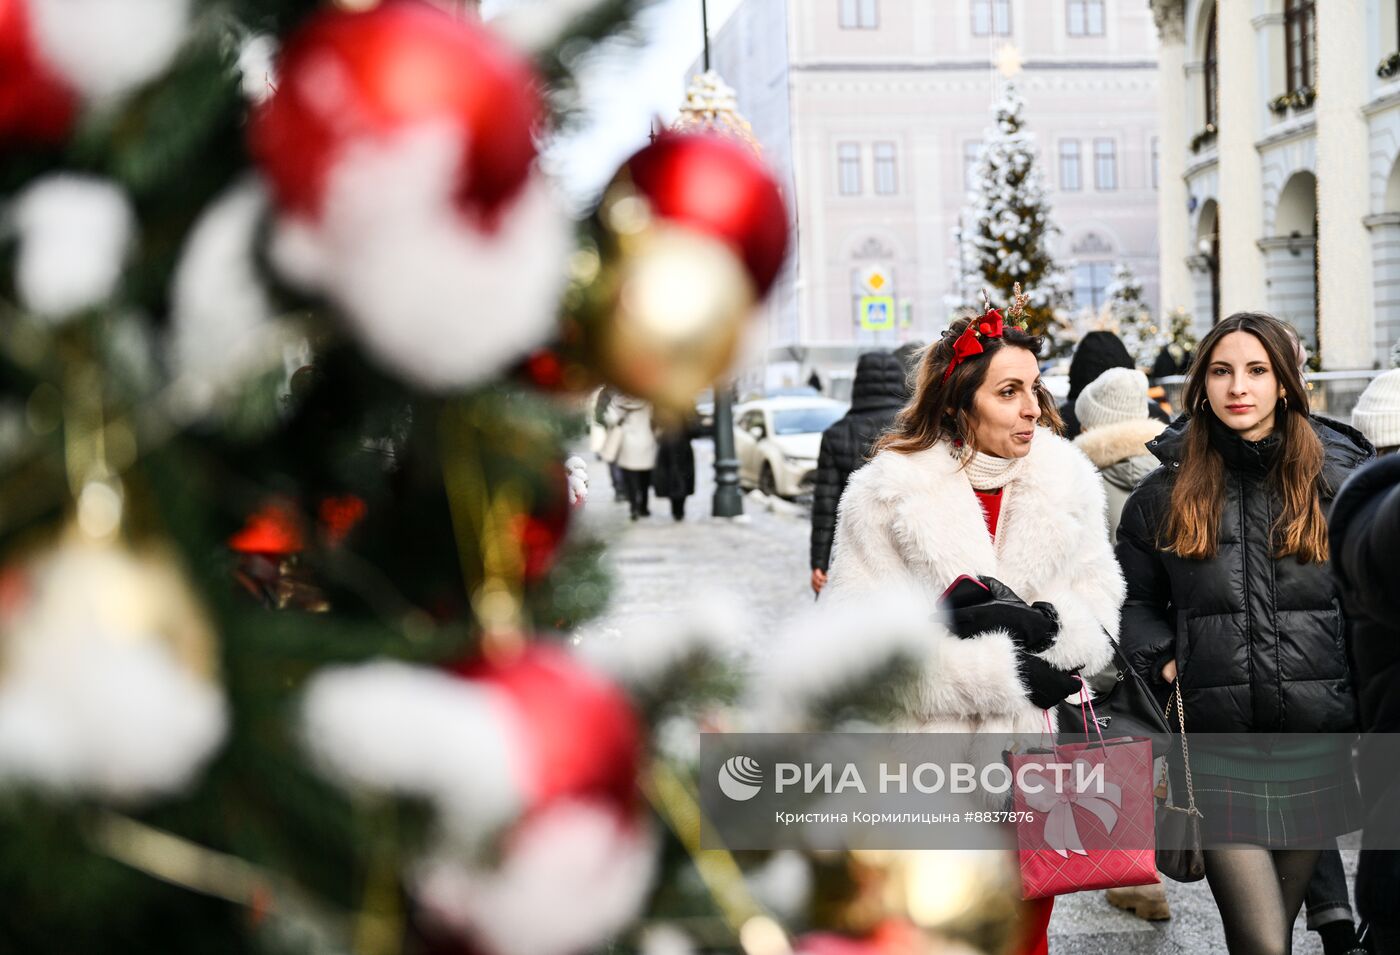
1175,354
1129,317
1009,225
294,339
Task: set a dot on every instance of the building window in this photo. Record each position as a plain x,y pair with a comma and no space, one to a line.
991,17
1156,161
1070,180
886,182
972,156
1300,42
1090,280
848,167
1105,165
1211,74
860,14
1084,17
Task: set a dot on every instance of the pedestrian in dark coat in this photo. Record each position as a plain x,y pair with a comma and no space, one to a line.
1230,595
1095,354
1365,535
674,476
880,389
1171,360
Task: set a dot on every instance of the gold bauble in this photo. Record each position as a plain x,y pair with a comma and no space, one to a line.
79,590
671,307
960,897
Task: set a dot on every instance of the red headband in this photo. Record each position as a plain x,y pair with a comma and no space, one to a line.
968,344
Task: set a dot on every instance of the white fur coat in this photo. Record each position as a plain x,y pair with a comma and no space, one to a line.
911,522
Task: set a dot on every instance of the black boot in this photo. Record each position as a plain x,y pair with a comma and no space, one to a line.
678,508
1339,938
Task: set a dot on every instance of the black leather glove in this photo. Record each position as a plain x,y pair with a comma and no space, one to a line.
1048,684
1033,627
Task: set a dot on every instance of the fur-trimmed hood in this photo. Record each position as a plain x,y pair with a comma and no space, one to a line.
912,522
1113,443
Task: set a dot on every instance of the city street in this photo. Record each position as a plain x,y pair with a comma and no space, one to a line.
763,557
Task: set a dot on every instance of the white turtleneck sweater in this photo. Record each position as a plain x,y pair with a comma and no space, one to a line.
987,472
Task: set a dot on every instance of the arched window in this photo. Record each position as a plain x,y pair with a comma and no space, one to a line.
1093,270
1212,76
1300,42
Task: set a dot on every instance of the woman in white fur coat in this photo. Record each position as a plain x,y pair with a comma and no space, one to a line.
973,479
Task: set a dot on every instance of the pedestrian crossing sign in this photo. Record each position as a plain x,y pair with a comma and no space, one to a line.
876,312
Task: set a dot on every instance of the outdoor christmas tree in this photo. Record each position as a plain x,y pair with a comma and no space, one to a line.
294,341
1129,317
1180,343
1008,221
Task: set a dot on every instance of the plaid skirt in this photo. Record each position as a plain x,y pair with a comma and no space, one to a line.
1298,813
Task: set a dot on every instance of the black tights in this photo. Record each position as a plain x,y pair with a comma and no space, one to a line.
1259,892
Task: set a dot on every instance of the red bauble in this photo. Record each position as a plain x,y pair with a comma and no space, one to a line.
580,736
274,530
718,187
891,937
36,106
544,369
346,77
540,532
338,516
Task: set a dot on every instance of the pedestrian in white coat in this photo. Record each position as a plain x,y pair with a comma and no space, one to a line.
973,480
636,449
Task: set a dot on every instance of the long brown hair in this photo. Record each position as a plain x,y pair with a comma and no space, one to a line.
1193,525
942,410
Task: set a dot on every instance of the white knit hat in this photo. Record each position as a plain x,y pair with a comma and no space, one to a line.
1118,395
1377,411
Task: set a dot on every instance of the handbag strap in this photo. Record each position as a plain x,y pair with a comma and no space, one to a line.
1084,697
1185,750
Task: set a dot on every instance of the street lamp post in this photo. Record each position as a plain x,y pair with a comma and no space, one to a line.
728,501
710,105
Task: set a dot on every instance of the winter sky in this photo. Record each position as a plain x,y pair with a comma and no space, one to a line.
625,86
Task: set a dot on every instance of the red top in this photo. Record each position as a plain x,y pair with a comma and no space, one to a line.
991,508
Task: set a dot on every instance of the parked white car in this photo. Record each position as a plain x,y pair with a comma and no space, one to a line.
777,440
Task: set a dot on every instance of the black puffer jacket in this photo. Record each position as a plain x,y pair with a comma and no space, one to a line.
1258,641
880,389
1095,354
1365,533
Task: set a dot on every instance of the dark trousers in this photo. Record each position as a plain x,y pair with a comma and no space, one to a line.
1327,899
638,487
1385,941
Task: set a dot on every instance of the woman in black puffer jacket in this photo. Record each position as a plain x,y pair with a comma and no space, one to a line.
1225,553
1365,529
880,389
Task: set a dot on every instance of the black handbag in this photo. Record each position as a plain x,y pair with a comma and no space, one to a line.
1179,852
1127,709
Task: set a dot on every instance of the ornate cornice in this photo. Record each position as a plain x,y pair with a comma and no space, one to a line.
1170,16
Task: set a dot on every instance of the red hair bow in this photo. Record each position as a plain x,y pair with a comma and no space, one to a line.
990,324
968,344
